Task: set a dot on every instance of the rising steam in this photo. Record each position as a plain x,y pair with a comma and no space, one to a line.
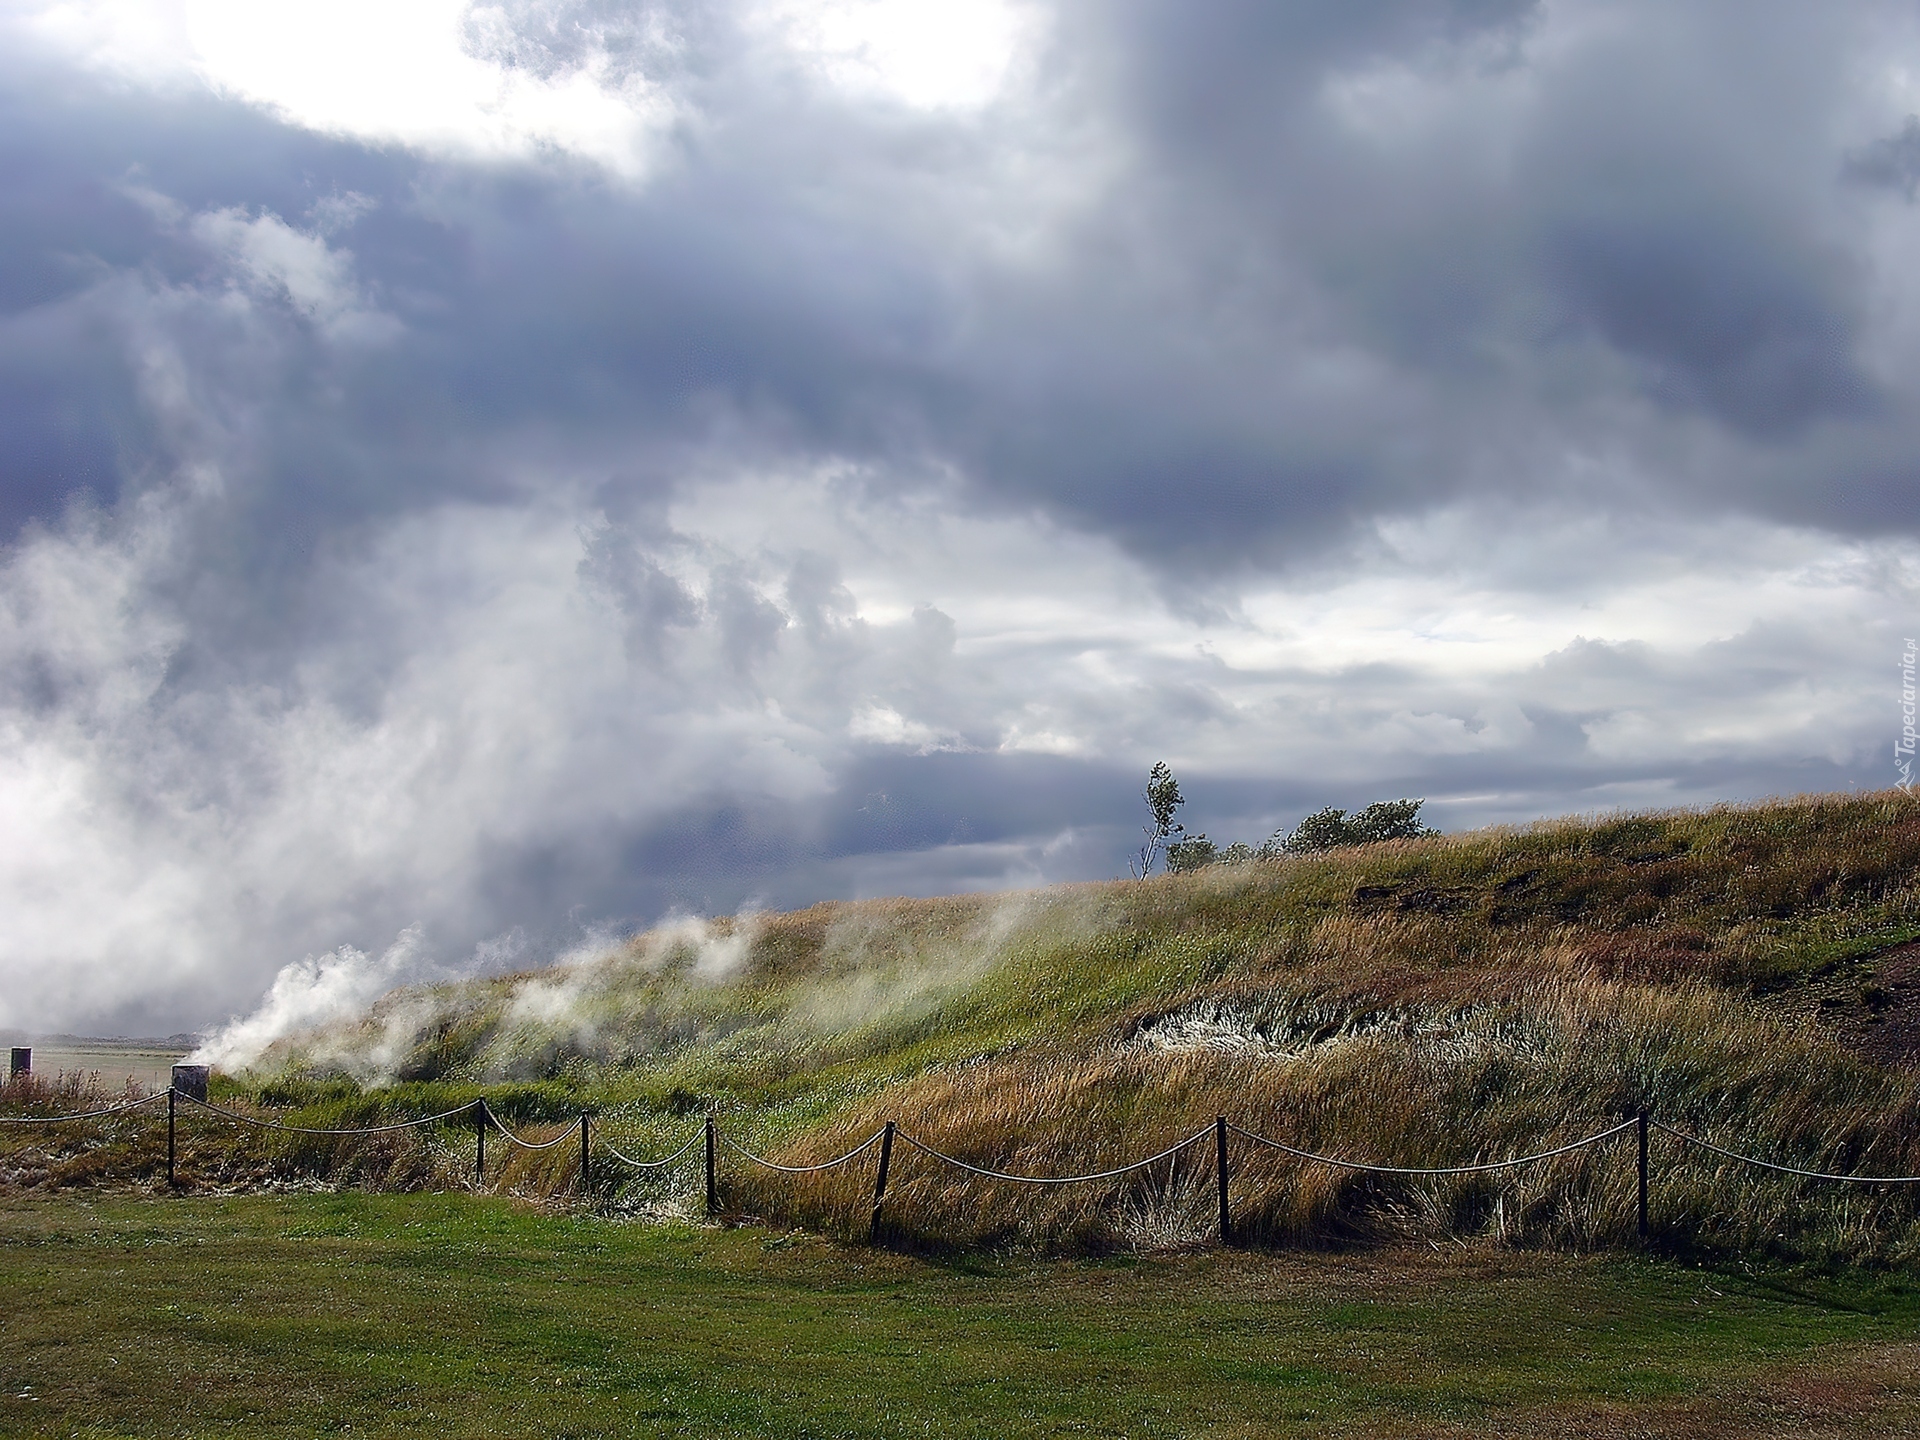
351,1013
312,994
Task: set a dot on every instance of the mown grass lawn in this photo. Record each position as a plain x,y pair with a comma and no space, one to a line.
450,1315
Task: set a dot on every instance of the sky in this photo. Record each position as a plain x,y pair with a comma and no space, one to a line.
477,477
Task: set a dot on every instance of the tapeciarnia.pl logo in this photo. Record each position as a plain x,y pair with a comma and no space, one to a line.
1903,747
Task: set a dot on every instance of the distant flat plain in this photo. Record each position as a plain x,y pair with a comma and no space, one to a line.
147,1062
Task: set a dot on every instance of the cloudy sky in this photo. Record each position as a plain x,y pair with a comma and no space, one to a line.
487,473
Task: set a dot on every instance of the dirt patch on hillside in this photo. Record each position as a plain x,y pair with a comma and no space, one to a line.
1873,1008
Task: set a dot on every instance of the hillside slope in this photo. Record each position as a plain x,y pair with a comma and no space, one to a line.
1746,973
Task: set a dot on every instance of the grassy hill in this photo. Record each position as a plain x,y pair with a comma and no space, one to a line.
1747,973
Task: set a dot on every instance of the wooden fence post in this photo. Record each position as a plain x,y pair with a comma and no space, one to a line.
480,1143
586,1156
713,1188
880,1182
172,1094
1220,1172
1642,1129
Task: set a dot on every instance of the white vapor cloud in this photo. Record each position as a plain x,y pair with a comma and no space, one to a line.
310,994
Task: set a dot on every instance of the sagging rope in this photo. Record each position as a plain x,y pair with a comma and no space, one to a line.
955,1160
487,1110
1474,1169
312,1129
1786,1169
692,1140
864,1145
82,1114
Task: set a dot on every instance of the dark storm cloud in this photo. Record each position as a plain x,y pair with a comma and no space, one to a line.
74,159
1657,230
1892,161
1650,220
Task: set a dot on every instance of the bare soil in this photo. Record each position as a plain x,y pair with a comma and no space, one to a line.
1871,1006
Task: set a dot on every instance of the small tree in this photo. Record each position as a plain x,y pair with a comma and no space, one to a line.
1331,828
1323,830
1389,820
1195,852
1163,797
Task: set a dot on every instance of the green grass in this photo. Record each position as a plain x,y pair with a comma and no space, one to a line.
404,1315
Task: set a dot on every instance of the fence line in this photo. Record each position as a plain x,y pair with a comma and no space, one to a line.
692,1140
955,1161
1786,1169
864,1145
486,1112
82,1115
257,1122
1476,1168
483,1117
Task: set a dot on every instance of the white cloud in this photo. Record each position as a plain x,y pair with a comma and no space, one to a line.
449,76
272,260
884,725
381,72
958,54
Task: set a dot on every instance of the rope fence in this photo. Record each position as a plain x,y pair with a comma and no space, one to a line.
766,1164
483,1119
529,1144
1785,1169
1118,1170
260,1124
81,1115
692,1140
1476,1168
